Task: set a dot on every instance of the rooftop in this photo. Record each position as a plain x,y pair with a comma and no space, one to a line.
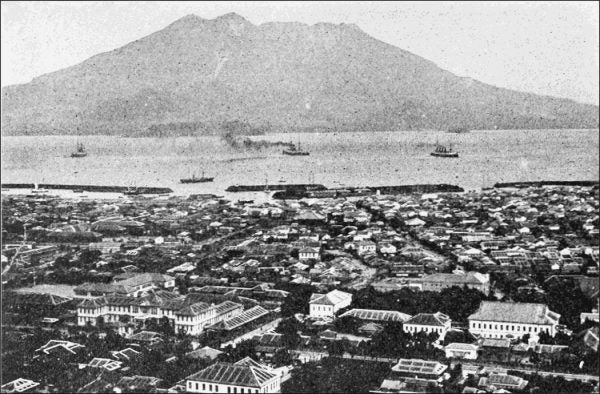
527,313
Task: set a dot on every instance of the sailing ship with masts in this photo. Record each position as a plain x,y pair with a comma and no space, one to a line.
80,151
195,179
293,151
442,151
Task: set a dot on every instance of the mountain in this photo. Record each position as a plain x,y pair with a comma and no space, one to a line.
196,75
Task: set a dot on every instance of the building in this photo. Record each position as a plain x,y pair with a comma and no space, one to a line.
184,313
420,369
503,381
438,282
243,377
364,247
376,315
512,320
130,284
428,322
308,254
326,305
465,351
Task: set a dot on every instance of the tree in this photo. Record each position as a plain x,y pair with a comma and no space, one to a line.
282,357
289,328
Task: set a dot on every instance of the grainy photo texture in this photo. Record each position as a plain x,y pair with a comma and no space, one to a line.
299,197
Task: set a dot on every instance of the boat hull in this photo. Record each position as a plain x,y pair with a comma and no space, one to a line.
285,152
200,180
449,155
77,155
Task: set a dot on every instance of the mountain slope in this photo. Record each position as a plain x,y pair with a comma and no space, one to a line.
282,76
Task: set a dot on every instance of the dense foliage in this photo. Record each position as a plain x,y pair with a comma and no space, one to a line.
335,375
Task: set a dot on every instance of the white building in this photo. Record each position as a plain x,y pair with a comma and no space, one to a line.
308,254
326,305
428,322
465,351
512,320
243,377
185,316
364,247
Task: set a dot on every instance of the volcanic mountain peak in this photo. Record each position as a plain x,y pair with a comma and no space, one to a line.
281,75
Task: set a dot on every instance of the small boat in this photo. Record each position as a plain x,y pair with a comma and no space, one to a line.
80,152
458,130
77,190
194,179
293,151
442,151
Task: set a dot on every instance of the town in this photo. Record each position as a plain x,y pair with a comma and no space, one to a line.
476,292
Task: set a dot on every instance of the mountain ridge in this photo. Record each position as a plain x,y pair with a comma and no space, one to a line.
278,76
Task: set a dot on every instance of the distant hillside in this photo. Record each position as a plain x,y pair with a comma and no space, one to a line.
196,75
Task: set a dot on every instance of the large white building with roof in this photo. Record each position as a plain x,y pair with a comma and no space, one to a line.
428,323
326,305
186,314
512,320
243,377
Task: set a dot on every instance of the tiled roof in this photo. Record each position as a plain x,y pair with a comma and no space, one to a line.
53,345
12,297
244,374
243,318
429,319
332,298
415,366
377,315
141,279
461,346
515,313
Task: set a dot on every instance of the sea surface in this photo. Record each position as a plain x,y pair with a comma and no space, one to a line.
336,159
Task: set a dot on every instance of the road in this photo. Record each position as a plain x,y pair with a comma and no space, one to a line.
315,355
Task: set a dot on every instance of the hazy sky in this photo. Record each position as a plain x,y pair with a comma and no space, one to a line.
541,47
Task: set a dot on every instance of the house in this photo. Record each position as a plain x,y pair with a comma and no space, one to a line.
244,376
138,384
428,322
387,248
420,369
438,282
206,353
365,247
370,329
308,254
415,222
461,350
512,320
326,305
503,381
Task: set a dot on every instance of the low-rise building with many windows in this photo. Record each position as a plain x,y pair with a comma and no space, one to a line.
428,323
326,305
243,377
512,320
186,314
